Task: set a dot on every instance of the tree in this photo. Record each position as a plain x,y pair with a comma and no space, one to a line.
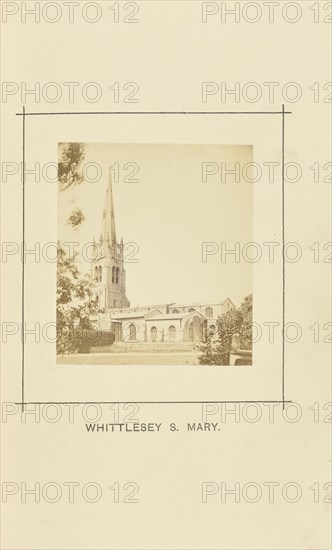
72,156
208,354
70,174
245,333
235,321
73,305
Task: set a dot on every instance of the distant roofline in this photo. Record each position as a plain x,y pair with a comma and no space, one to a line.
190,304
176,304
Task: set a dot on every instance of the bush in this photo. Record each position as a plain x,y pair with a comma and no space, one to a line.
99,338
81,339
235,321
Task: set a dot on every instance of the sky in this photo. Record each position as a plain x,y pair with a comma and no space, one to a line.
167,215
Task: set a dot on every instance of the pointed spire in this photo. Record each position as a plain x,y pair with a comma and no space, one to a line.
108,224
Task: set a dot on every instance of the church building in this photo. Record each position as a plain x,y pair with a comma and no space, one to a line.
162,323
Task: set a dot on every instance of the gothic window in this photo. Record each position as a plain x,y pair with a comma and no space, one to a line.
209,312
176,311
191,331
113,274
191,310
132,331
154,334
100,273
96,273
97,300
117,275
172,332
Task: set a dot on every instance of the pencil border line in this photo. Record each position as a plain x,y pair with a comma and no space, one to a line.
24,114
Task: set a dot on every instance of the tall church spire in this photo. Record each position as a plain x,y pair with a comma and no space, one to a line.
108,272
108,232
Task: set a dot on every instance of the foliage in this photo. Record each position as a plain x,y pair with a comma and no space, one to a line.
207,348
73,305
245,332
76,218
100,338
216,351
72,156
69,175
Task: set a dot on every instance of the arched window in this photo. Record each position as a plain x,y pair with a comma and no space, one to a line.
132,331
172,332
176,311
191,310
212,329
113,274
209,312
100,273
117,275
154,334
96,273
191,332
97,300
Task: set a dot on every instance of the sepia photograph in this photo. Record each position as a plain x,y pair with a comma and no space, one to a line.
151,266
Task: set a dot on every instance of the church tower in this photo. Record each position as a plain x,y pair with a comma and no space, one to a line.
107,270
